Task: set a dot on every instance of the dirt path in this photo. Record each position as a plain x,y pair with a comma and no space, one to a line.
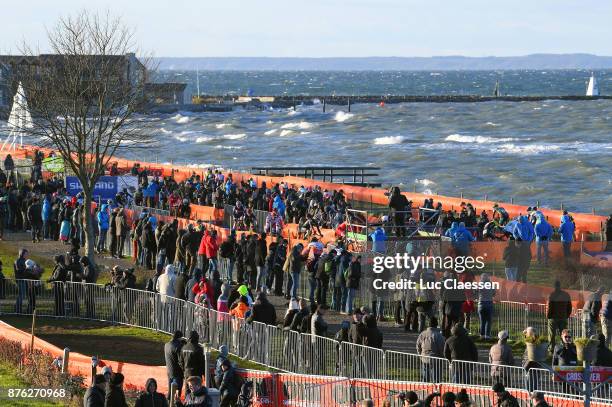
47,249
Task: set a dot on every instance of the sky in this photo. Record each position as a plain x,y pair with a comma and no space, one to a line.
332,28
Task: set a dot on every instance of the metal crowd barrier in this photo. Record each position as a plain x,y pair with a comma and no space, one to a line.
264,344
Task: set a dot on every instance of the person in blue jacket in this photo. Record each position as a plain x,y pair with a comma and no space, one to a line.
46,216
544,233
150,194
378,240
461,238
566,230
523,230
279,205
103,219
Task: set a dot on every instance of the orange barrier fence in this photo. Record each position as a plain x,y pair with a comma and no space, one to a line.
275,389
79,364
585,223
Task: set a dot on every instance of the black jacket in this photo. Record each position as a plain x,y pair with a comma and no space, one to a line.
228,383
298,318
262,252
354,275
114,397
373,336
151,400
35,214
172,352
59,274
94,397
565,355
459,346
264,312
192,360
559,305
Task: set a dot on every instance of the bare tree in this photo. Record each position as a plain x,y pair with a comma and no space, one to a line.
84,97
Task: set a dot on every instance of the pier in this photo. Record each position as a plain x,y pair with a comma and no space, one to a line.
285,101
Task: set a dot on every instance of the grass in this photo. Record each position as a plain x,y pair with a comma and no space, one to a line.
9,253
9,380
111,342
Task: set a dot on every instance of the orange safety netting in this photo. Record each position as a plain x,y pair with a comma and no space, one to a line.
78,364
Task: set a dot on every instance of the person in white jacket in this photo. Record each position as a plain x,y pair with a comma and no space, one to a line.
165,287
165,283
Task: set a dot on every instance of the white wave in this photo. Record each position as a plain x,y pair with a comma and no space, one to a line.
528,149
425,182
222,125
234,136
203,139
165,131
180,119
492,124
342,116
229,147
298,125
270,132
458,138
269,122
181,139
293,112
389,140
286,133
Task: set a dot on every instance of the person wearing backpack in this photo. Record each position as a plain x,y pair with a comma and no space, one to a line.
324,266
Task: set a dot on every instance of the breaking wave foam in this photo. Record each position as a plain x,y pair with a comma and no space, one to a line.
458,138
342,116
389,140
298,125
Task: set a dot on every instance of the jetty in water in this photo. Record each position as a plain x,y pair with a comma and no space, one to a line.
287,101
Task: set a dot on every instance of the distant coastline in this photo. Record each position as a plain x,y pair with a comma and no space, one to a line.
436,63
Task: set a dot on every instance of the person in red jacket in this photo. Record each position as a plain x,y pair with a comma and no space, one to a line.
208,250
212,247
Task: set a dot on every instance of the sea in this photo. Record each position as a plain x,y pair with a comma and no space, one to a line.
548,152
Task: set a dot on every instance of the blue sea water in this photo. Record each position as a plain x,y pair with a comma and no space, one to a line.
550,151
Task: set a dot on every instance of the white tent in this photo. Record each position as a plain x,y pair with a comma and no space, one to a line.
593,88
19,120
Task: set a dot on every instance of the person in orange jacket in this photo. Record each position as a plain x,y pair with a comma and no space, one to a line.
241,308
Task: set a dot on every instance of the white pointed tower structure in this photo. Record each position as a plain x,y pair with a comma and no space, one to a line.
593,87
19,120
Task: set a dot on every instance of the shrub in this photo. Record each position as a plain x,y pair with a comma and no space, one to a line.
38,369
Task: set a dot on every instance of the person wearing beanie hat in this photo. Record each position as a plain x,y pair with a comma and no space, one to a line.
500,355
114,392
504,398
94,396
